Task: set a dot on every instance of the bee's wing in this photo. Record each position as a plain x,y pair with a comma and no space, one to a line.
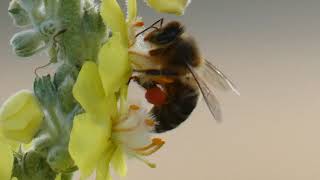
216,78
209,97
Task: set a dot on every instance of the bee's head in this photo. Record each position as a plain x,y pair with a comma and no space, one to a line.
165,35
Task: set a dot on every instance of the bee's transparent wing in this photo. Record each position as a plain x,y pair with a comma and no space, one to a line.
210,99
214,77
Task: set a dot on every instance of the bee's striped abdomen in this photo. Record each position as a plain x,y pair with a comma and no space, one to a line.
181,102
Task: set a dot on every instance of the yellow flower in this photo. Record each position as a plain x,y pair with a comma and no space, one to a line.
20,120
6,163
98,137
95,89
114,18
169,6
20,117
106,134
103,136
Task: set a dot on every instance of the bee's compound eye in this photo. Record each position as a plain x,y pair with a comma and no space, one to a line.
156,96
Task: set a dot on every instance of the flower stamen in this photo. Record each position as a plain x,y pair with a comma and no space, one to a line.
150,122
156,144
121,120
134,107
126,129
151,165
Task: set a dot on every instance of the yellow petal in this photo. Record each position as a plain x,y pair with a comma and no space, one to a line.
13,144
113,107
21,117
113,17
114,67
88,89
88,141
132,10
169,6
23,136
6,162
103,169
118,162
123,99
14,103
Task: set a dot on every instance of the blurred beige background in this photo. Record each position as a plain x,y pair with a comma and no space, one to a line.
271,50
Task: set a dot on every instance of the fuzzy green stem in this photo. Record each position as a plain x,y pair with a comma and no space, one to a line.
80,40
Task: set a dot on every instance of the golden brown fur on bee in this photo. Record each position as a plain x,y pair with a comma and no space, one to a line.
174,48
177,54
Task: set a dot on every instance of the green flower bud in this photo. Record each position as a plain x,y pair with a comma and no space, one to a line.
28,42
50,28
67,101
63,71
45,91
59,159
36,167
30,5
53,53
21,117
18,14
42,143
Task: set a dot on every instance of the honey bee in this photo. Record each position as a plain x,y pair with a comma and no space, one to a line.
180,74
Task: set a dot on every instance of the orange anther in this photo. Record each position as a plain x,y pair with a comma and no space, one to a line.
145,147
156,144
155,149
134,107
150,122
157,141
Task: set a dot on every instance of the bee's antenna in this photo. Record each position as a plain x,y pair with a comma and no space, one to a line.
152,26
